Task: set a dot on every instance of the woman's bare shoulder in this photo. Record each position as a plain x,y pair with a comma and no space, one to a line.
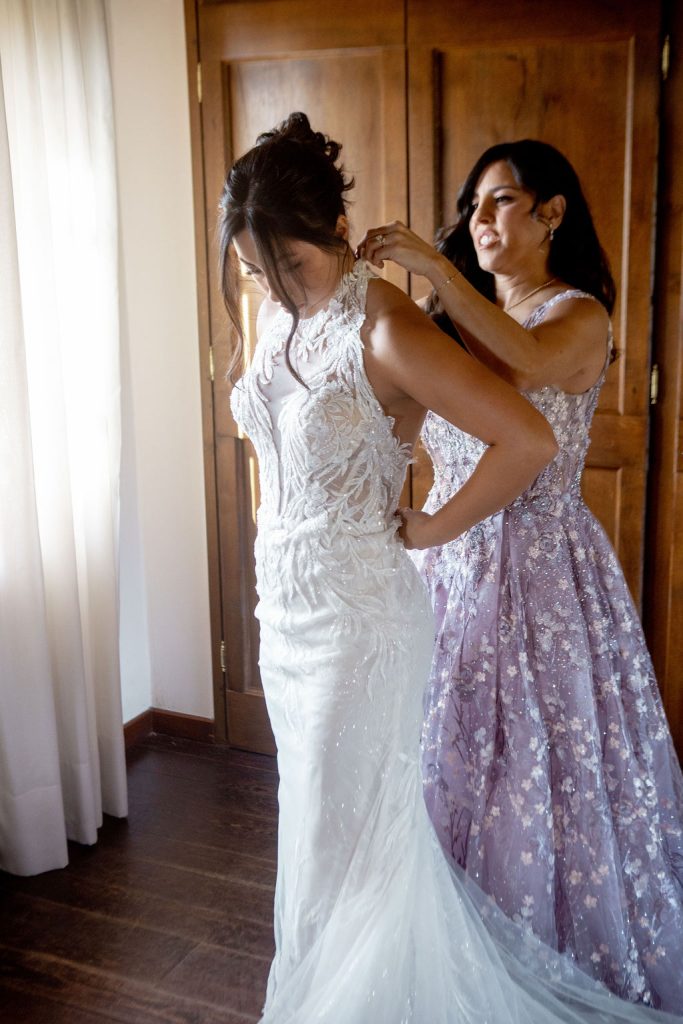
582,310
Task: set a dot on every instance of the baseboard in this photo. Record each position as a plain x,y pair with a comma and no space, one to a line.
138,728
187,727
168,723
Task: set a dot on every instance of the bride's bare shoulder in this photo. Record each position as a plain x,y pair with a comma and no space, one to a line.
386,304
392,316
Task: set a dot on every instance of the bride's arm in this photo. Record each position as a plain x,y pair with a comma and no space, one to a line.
407,358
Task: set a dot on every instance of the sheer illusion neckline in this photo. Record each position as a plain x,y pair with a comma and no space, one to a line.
312,333
333,304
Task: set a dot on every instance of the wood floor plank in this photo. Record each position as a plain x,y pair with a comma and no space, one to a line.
112,996
137,951
220,977
210,751
155,810
237,776
204,858
168,918
230,789
134,902
17,1007
146,878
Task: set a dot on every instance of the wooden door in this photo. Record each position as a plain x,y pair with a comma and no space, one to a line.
573,73
345,67
664,579
583,76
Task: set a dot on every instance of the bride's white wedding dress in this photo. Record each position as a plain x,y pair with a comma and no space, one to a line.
371,925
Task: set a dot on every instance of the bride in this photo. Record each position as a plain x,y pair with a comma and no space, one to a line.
371,925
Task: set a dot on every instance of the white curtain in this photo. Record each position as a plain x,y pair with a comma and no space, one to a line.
61,739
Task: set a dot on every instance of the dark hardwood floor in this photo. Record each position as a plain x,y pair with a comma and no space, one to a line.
169,917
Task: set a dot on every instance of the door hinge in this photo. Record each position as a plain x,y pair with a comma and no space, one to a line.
199,82
666,54
223,669
654,384
212,371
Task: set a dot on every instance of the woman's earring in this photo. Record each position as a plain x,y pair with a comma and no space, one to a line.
547,223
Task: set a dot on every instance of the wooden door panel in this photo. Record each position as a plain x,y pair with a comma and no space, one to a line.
232,29
259,63
314,84
576,77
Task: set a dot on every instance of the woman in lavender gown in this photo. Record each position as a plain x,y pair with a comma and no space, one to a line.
548,766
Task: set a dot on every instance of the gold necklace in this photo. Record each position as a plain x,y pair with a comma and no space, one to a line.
519,302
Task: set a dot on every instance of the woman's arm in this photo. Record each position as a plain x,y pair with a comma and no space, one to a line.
567,350
411,363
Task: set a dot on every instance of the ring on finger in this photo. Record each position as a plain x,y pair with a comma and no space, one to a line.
379,239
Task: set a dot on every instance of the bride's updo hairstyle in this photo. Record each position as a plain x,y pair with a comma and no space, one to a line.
576,255
288,186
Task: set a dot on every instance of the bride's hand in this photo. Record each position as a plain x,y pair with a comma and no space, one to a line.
414,529
398,243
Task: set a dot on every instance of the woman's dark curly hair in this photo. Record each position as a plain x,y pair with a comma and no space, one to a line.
576,255
287,187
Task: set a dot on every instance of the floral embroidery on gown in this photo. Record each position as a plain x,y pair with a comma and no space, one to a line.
548,766
371,924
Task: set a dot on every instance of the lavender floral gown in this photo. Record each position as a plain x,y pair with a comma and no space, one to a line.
548,765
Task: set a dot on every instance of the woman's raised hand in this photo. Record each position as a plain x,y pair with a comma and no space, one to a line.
398,243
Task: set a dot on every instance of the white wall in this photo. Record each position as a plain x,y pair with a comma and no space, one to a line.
165,639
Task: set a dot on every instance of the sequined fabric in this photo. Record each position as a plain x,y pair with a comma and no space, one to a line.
371,925
548,766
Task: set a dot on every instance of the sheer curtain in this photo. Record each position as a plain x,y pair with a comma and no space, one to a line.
61,741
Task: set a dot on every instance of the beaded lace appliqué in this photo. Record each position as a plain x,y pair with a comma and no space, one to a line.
329,450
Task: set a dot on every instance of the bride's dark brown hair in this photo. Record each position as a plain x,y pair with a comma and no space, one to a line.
288,186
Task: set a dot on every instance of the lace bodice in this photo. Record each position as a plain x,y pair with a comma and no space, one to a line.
326,451
455,454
